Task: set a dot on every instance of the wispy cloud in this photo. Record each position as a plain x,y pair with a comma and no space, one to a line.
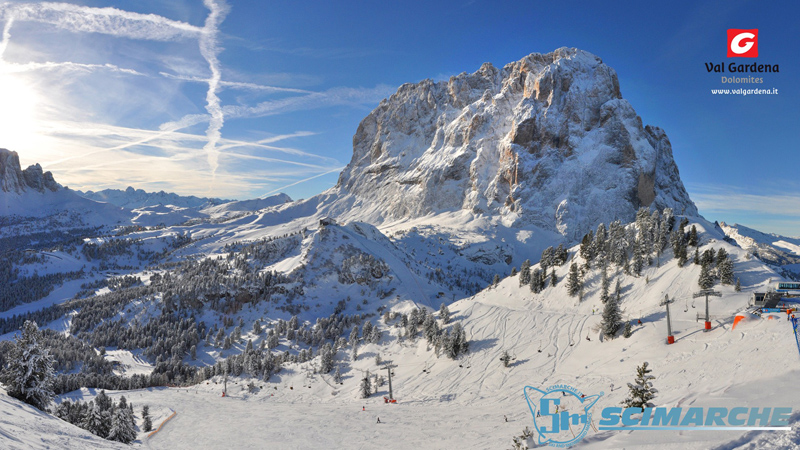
330,97
113,140
282,188
237,84
721,199
111,21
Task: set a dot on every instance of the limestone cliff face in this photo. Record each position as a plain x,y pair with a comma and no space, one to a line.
547,140
14,179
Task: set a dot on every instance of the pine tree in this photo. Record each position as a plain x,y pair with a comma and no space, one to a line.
706,281
573,281
29,375
147,422
611,317
638,263
525,273
722,255
628,332
726,272
738,287
697,256
693,236
604,285
548,258
496,280
337,376
366,386
326,358
123,428
97,421
444,314
641,390
553,277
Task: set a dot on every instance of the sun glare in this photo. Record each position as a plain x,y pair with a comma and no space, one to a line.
17,113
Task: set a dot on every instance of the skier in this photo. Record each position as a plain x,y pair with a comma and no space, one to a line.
363,409
506,418
379,420
587,338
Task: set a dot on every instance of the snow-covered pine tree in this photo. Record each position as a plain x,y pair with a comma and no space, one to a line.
366,386
444,314
337,376
641,390
726,272
637,264
697,256
611,317
561,255
722,255
496,280
123,428
97,421
573,281
693,236
547,258
525,273
706,281
553,277
29,374
147,421
628,332
738,286
326,358
354,336
537,281
586,248
604,285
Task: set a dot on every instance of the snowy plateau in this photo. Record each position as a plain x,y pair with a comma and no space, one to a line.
470,248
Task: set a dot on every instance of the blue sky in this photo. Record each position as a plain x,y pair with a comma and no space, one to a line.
246,98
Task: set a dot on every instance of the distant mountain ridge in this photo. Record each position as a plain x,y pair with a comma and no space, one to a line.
138,198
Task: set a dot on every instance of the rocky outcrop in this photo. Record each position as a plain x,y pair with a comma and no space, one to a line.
546,141
13,179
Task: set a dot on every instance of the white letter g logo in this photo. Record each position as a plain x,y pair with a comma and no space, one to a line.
740,49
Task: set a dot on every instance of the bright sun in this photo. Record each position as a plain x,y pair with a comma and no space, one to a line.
17,112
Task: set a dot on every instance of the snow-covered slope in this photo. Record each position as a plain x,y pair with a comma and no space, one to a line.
461,403
773,249
23,427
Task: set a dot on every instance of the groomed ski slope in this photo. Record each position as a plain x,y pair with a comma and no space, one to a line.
461,404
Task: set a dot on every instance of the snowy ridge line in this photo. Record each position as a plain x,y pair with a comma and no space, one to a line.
162,424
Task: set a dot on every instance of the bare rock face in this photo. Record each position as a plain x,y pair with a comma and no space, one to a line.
547,141
13,179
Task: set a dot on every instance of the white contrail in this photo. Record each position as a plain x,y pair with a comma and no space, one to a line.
6,36
209,49
111,21
301,181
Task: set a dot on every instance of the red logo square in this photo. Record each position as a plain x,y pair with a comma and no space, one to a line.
742,43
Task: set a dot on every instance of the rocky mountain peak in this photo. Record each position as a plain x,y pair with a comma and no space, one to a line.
14,179
547,140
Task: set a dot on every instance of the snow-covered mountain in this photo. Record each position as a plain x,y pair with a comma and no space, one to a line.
15,180
773,249
34,193
546,141
137,198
